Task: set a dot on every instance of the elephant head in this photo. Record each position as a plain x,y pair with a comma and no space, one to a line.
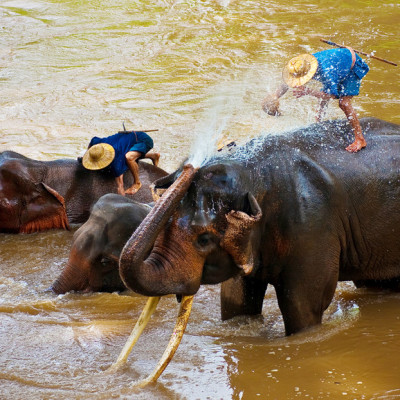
201,231
90,266
27,204
97,244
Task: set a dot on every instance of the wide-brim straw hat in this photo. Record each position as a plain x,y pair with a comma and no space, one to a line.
98,156
299,70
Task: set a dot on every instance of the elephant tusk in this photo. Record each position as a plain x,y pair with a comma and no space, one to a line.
141,323
176,337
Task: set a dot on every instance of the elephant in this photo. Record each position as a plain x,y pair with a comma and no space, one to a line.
293,210
97,244
39,195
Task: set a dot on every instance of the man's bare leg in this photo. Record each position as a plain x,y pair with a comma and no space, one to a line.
120,184
131,157
154,157
359,142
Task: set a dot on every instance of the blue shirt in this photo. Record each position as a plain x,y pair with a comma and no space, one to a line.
123,143
335,73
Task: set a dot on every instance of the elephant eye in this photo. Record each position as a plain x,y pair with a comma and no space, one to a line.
204,239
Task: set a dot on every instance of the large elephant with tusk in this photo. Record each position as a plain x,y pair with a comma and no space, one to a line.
40,195
292,210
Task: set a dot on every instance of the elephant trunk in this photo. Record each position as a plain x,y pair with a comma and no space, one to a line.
72,277
151,276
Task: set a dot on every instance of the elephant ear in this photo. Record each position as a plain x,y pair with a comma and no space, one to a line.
159,186
45,209
238,239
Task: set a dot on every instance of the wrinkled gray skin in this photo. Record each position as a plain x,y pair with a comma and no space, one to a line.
97,244
296,211
39,195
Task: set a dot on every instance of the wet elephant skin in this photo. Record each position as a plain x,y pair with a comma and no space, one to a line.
39,195
294,210
97,244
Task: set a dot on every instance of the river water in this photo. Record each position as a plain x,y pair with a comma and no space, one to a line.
196,71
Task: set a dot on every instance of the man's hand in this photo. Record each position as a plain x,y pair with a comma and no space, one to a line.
271,102
271,105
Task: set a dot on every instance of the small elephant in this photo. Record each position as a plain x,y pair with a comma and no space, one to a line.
40,195
97,244
294,210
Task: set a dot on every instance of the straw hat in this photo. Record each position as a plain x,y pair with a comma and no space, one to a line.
98,156
299,70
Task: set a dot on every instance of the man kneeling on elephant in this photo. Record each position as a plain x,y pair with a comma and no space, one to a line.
120,152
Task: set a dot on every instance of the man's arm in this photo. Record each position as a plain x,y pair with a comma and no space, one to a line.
270,104
304,91
282,89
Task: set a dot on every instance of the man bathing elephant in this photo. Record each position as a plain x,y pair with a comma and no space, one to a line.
339,70
39,195
97,244
295,211
121,152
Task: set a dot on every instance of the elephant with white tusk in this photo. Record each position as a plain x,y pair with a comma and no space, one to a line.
293,210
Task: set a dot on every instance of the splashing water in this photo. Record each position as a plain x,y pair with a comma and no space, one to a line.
211,128
226,116
224,111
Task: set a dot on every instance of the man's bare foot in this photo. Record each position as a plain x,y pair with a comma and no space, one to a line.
133,189
156,159
357,145
121,191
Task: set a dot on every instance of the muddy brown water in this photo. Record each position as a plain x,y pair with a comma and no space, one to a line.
192,69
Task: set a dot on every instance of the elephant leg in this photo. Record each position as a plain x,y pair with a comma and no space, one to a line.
242,295
304,294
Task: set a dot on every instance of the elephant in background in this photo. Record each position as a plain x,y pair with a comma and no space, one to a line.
293,210
97,244
39,195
